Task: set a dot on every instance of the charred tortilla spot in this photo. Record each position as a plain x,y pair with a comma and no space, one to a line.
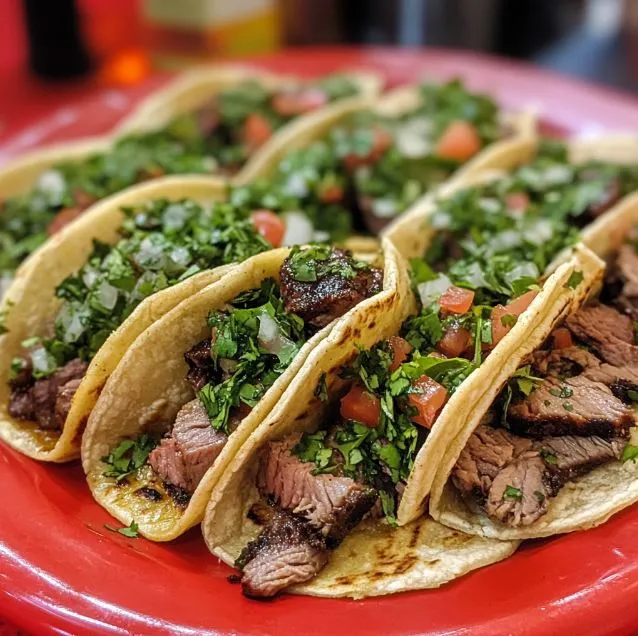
149,493
178,495
372,325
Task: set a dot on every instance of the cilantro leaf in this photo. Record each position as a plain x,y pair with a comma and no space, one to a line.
128,531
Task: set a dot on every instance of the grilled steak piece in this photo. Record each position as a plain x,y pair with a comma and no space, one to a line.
330,296
39,401
513,478
575,405
569,456
486,453
609,332
287,552
200,365
184,456
332,505
621,282
573,361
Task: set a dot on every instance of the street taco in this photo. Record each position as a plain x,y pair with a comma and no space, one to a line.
392,402
197,383
556,453
217,121
362,167
81,300
578,181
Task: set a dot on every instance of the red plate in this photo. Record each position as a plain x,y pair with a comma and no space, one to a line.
62,572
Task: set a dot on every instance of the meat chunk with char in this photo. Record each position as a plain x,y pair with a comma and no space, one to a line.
513,478
575,405
200,365
621,282
184,456
331,295
48,400
287,552
331,504
609,333
573,361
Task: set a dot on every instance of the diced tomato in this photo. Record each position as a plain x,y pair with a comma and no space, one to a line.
400,351
562,338
517,201
361,406
428,399
298,102
381,141
454,342
459,141
331,194
256,131
62,219
501,313
456,300
269,225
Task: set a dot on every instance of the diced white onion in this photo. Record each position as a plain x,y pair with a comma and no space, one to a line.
384,208
539,232
270,337
296,186
89,277
413,138
40,360
431,290
107,295
52,183
299,229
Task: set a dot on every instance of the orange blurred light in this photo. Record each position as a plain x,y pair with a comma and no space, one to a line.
126,67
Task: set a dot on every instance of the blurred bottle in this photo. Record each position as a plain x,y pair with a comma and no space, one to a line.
197,30
56,46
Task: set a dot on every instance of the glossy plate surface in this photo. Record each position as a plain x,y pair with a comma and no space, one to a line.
62,572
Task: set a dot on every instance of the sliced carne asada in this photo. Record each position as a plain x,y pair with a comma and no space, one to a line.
321,284
39,402
609,332
513,478
573,361
287,552
331,504
621,282
190,450
577,405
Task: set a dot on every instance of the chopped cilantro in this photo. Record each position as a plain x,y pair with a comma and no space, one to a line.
540,496
563,392
632,395
549,457
321,390
630,453
575,279
129,531
509,320
568,406
128,456
312,263
513,493
237,338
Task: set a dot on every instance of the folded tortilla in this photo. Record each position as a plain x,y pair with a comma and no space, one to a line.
184,94
375,559
149,385
412,233
583,502
30,304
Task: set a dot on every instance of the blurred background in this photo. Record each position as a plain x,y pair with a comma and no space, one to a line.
53,47
120,40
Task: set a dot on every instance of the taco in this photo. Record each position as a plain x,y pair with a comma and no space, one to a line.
206,374
310,474
577,181
365,165
557,451
209,121
81,300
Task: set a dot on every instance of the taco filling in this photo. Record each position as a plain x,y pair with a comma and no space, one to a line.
371,167
253,341
566,412
162,243
219,136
